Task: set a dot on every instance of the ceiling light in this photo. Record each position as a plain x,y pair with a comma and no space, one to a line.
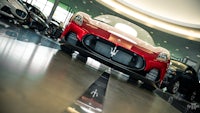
84,2
186,47
177,49
165,41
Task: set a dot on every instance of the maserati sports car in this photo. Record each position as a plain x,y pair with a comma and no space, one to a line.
117,43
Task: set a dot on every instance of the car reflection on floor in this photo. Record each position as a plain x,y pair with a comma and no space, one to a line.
26,35
17,54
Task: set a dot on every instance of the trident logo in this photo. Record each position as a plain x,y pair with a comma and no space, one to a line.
113,51
94,93
193,106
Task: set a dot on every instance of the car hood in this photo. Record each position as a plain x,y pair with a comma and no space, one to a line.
126,36
17,5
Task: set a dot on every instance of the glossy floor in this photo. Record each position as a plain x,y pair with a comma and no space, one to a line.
36,77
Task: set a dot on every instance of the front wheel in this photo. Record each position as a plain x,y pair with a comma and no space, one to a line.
173,86
148,87
66,49
193,96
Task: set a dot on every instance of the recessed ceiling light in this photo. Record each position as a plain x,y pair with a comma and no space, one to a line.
198,56
158,44
91,1
165,41
177,49
151,32
84,2
186,47
88,10
187,57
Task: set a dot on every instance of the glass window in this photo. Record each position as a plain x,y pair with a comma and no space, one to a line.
62,13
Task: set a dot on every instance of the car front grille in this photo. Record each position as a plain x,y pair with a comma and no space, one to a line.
113,52
21,13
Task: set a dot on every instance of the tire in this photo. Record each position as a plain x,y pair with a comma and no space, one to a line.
193,96
65,49
174,86
132,80
71,38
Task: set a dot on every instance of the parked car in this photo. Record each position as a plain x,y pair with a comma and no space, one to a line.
183,79
35,19
100,39
24,13
13,9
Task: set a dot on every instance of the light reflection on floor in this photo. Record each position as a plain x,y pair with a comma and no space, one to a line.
21,57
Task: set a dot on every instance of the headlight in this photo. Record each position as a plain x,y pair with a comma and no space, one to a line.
78,19
162,57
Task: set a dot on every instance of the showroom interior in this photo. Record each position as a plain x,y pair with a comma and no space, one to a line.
42,69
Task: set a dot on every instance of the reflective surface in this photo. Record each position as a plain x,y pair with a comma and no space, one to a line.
36,77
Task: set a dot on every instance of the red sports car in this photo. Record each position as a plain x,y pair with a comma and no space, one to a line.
117,43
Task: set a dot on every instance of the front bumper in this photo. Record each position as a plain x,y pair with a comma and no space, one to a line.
85,53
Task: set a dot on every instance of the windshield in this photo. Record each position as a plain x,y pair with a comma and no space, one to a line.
126,27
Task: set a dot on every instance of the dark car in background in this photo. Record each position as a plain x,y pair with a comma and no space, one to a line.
183,79
35,19
23,13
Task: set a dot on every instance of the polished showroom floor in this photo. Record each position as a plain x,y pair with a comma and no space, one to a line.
36,77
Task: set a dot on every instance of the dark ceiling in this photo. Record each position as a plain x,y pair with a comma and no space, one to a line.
179,47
